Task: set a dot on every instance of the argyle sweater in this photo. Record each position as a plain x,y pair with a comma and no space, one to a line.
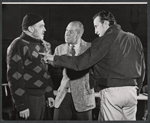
27,74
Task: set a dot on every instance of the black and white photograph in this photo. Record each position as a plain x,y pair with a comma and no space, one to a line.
74,61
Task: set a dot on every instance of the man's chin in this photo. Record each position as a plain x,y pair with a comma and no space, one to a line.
42,37
68,41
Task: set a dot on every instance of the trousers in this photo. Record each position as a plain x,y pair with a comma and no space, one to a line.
118,103
37,108
66,111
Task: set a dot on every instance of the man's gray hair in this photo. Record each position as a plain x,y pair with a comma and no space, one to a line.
81,27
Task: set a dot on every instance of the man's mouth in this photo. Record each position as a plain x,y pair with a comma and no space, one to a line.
67,38
99,35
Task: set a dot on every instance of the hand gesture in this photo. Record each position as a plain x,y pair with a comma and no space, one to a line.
50,102
47,56
47,46
25,113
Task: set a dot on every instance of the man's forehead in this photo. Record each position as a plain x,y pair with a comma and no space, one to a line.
40,23
72,26
97,19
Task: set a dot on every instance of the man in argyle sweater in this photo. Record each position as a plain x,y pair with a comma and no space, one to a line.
27,74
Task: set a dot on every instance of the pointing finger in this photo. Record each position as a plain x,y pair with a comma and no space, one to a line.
42,53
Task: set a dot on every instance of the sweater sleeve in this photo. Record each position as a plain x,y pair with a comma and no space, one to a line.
15,75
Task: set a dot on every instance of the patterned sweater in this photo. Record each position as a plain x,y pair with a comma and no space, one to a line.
27,74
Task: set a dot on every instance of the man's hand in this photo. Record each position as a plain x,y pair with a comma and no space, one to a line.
51,63
51,102
25,113
47,56
50,57
47,46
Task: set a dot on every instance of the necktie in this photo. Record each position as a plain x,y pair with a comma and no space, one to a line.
73,52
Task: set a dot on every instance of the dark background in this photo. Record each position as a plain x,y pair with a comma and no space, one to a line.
131,17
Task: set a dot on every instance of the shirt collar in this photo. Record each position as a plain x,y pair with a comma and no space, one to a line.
76,46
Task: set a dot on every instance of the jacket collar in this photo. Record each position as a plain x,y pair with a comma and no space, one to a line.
113,27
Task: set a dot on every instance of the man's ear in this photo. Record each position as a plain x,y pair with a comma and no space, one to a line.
106,24
31,29
79,36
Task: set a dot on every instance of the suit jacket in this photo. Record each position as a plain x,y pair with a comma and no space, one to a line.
77,82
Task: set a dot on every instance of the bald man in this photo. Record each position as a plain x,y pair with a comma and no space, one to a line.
75,99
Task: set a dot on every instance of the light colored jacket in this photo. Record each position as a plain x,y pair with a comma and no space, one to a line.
83,96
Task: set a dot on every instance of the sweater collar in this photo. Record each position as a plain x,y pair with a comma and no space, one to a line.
29,38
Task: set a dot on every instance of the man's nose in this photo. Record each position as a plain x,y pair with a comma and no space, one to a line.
67,33
44,29
95,31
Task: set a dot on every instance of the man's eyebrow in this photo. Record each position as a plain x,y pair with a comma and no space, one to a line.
70,30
